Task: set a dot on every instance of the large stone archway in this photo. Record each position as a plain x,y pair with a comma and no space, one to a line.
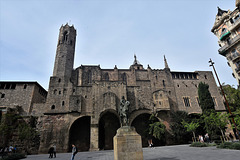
79,134
108,125
140,122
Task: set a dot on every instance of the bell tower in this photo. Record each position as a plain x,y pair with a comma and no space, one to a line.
64,59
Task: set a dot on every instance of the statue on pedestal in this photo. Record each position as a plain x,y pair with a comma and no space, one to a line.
123,112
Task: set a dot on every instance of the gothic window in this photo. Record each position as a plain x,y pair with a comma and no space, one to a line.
163,83
124,77
59,80
59,92
65,36
89,77
186,101
63,103
106,77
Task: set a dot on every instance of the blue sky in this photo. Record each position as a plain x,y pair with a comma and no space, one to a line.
109,32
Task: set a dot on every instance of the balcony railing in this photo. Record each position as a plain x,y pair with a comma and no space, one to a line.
235,24
229,44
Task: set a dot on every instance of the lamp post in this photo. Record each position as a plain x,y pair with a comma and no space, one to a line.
231,115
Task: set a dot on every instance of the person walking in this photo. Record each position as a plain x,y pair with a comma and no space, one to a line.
54,150
74,151
50,151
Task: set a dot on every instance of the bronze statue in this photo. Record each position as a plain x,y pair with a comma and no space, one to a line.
123,111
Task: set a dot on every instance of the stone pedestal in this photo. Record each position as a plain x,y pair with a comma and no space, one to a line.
127,144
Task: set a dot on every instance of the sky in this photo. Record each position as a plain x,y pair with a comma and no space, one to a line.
109,33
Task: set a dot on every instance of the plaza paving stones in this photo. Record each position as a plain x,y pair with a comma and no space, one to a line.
178,152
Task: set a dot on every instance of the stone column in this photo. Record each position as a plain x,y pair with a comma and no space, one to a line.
94,137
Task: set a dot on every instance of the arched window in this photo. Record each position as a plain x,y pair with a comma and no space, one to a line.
53,107
106,77
89,77
65,36
124,77
63,103
163,83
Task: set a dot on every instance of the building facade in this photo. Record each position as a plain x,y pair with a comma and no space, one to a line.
22,95
81,105
227,29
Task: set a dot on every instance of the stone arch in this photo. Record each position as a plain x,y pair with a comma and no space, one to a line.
137,113
139,120
108,124
110,100
79,133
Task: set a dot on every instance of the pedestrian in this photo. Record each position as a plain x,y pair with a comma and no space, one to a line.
15,149
54,150
206,137
201,138
74,151
10,149
50,151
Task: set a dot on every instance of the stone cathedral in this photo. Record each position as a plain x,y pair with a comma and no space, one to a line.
81,103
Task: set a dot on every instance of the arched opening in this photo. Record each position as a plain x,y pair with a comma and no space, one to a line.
108,125
141,123
80,134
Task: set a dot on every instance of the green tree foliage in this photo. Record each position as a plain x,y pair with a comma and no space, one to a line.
205,98
180,135
214,122
191,127
232,96
7,126
156,128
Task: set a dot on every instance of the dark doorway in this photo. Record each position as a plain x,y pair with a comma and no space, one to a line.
108,125
141,123
80,134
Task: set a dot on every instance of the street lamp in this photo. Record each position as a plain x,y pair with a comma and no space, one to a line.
231,115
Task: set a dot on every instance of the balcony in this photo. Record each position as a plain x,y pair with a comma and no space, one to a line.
225,35
235,24
229,44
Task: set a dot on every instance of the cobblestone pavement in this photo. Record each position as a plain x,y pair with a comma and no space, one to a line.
178,152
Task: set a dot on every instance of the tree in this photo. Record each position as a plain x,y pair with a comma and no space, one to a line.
232,96
180,135
27,135
156,128
215,121
205,98
191,127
